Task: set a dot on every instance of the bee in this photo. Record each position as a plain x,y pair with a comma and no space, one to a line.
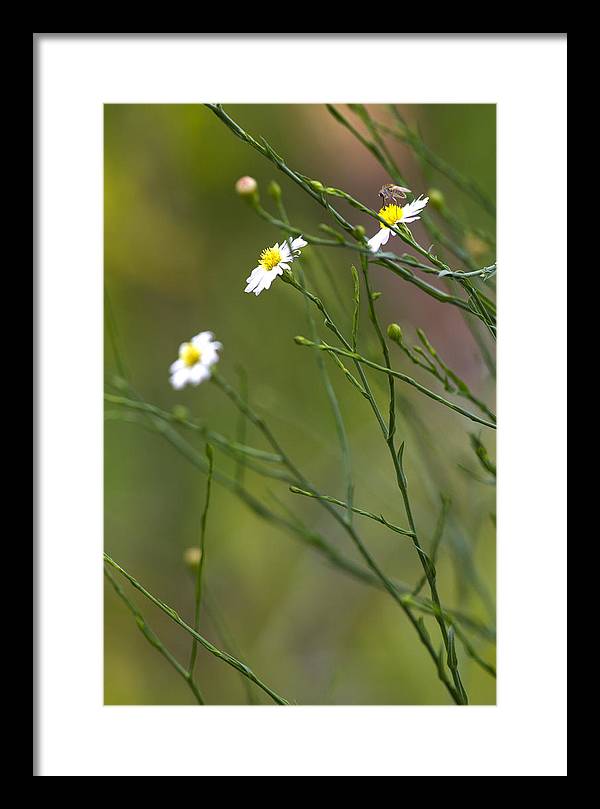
391,193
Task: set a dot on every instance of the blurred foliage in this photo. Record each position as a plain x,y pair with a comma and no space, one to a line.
178,246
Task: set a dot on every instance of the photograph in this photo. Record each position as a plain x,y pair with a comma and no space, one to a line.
297,510
300,366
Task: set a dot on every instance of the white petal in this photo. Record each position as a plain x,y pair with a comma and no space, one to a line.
209,355
175,366
410,211
380,238
255,280
180,378
283,266
298,243
270,278
202,339
204,335
198,373
260,286
253,274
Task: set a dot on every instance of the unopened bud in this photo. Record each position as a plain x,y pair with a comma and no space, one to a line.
359,232
181,413
246,187
274,190
301,341
436,198
191,557
395,333
316,185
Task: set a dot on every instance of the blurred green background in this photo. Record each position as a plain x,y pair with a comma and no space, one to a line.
179,244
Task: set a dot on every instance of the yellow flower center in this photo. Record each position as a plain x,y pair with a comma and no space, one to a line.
391,213
189,354
270,258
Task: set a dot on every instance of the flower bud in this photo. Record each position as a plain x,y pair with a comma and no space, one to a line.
395,333
191,557
246,187
181,413
274,190
316,185
359,232
301,341
436,198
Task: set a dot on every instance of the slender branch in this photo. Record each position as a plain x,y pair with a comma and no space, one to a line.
376,517
227,640
397,460
437,538
234,447
319,193
435,365
154,640
466,184
330,392
198,592
161,422
457,694
221,655
303,341
313,539
382,154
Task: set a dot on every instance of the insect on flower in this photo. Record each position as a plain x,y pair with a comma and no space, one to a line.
392,193
273,261
195,360
394,215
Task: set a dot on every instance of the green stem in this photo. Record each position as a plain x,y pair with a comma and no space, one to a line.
319,193
224,656
386,259
435,365
154,640
470,187
426,562
309,537
398,375
376,517
435,544
234,447
330,392
198,593
348,527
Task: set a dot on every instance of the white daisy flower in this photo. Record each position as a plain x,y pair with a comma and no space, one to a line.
395,215
273,261
195,360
